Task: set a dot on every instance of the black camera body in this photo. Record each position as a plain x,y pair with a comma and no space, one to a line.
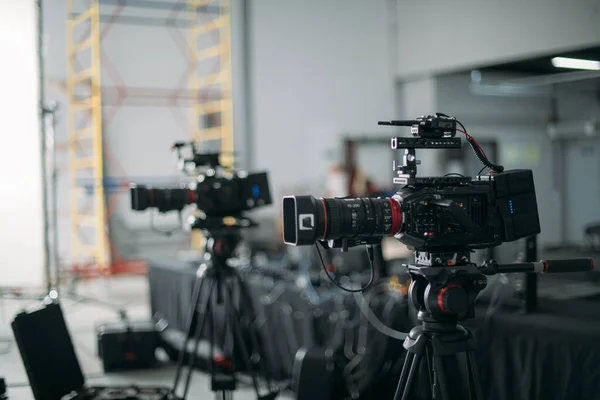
215,196
428,214
483,213
217,191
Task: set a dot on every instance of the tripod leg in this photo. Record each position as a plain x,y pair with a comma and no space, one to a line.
240,338
405,368
443,382
225,396
190,319
411,375
262,364
431,372
473,376
227,328
206,312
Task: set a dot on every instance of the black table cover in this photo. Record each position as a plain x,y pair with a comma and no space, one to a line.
552,354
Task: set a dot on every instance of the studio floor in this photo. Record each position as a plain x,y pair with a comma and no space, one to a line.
82,317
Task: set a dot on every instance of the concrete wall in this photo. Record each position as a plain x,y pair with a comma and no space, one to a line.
321,69
442,36
582,162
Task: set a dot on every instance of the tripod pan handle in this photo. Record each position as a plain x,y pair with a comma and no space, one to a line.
574,265
542,267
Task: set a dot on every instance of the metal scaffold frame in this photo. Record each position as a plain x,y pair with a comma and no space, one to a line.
94,162
211,114
220,53
212,120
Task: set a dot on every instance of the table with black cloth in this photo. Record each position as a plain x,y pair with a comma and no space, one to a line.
290,319
551,354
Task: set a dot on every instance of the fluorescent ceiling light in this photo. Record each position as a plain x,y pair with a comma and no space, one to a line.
575,63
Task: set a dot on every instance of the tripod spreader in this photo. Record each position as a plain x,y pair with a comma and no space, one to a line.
542,267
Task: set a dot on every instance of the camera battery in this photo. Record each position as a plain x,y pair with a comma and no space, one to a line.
127,345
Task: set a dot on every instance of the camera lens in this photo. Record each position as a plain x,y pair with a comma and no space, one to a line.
307,219
164,200
169,199
140,197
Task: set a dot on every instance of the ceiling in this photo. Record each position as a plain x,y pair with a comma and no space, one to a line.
543,65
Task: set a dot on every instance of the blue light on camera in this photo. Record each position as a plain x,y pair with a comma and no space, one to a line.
510,205
256,191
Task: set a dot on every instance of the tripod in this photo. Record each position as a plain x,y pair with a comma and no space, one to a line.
444,288
214,288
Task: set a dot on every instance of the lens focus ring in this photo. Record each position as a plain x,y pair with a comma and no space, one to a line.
334,211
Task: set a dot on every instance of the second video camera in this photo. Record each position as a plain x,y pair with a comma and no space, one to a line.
216,191
212,195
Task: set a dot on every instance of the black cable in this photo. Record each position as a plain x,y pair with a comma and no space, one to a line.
479,151
455,174
481,170
169,232
362,289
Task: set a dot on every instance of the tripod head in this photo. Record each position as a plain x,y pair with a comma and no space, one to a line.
221,234
445,285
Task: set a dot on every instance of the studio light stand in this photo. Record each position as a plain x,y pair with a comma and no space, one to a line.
52,266
219,285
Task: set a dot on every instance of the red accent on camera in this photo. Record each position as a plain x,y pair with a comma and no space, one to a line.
192,196
324,219
223,362
440,297
396,216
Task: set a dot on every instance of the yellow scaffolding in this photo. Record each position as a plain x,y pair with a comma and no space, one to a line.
212,119
213,116
85,138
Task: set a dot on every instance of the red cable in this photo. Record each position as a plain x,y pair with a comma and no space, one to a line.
472,139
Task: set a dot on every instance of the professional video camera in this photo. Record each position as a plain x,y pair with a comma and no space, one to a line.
443,219
221,196
217,191
433,214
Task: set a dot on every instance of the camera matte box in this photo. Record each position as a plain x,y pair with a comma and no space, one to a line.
517,204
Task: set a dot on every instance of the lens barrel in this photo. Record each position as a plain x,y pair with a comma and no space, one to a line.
164,200
140,197
307,219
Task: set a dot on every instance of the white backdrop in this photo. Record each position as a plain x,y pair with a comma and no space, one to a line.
21,210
